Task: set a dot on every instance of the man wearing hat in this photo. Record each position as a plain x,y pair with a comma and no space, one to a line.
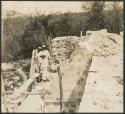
43,61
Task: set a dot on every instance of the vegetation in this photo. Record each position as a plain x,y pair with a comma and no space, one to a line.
22,34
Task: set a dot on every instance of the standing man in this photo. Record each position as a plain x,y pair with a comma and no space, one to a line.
43,61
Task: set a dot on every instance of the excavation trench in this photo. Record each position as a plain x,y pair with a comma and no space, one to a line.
74,80
73,102
74,74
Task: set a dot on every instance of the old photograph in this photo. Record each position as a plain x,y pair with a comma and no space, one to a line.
61,56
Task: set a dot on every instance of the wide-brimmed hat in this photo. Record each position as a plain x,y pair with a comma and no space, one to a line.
39,47
43,46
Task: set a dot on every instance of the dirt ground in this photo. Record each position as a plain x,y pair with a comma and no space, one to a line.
99,91
104,87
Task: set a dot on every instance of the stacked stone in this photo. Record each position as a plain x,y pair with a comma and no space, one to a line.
62,47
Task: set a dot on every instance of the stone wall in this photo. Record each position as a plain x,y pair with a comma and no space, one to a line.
62,47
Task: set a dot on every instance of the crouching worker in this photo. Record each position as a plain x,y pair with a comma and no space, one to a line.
43,62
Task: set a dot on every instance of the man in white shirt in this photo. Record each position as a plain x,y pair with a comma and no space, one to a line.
43,61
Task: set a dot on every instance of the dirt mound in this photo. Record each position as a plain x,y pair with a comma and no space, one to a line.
63,47
101,43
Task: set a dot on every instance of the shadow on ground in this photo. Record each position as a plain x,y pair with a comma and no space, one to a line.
72,105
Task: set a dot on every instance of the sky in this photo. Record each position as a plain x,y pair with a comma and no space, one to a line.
47,7
31,7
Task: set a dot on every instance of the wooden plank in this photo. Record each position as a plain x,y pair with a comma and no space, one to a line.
22,89
36,93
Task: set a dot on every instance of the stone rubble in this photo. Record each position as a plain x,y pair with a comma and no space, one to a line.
102,43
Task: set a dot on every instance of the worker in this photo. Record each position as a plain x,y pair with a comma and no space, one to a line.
54,64
39,49
43,62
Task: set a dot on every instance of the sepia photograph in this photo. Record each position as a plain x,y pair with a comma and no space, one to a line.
62,56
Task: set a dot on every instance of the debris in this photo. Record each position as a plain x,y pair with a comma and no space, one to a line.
63,47
94,82
102,43
94,102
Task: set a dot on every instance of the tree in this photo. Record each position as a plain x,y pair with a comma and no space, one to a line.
33,36
116,12
114,17
104,15
96,19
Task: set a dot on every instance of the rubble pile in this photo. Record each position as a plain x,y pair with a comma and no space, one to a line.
63,47
11,76
12,80
102,43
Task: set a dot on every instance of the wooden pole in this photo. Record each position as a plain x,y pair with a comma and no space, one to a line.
81,34
50,45
36,61
61,89
32,64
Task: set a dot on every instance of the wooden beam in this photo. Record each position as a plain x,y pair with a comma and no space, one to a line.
27,84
